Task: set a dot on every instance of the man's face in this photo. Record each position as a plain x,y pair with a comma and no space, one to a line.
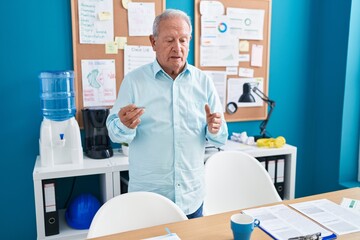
172,45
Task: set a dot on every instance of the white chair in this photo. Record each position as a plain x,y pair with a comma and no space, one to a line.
134,210
235,180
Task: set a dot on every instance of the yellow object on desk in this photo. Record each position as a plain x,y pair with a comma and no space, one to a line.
271,142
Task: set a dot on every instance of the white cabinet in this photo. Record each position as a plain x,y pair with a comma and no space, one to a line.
102,168
109,172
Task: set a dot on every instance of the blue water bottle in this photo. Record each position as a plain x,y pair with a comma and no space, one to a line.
57,95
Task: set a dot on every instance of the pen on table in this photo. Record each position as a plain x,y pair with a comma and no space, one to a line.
168,231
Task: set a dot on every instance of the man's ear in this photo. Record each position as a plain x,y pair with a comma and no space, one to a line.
152,41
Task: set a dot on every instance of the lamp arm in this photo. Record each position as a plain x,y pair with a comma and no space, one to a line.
265,122
271,105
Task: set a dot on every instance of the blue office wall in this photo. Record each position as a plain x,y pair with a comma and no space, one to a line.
351,118
330,54
307,80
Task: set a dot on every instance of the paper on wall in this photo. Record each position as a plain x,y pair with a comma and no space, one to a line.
246,23
141,16
235,90
98,82
136,56
93,28
256,55
211,8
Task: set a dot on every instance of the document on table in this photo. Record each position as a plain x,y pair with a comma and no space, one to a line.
330,215
282,222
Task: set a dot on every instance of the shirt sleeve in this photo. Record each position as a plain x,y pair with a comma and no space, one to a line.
118,132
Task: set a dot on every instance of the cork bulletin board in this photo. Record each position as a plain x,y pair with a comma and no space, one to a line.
258,71
84,51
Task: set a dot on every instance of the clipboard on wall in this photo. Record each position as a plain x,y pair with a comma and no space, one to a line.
258,70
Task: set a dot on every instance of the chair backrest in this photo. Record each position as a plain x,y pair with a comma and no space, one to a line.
236,180
134,210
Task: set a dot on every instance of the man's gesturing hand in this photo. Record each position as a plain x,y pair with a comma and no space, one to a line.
213,120
130,115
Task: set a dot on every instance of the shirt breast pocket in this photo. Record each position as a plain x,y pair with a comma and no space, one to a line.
196,116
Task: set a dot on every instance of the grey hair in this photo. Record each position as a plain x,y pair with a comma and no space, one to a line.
167,14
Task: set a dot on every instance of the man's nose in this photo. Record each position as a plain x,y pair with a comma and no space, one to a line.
176,46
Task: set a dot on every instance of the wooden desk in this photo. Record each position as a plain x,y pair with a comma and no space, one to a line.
217,227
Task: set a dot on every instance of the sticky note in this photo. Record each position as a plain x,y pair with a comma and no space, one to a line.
111,48
105,16
244,46
121,42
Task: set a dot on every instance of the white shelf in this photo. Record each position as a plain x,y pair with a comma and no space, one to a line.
102,167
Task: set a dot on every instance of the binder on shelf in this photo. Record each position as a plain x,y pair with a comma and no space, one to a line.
280,176
275,166
271,168
51,216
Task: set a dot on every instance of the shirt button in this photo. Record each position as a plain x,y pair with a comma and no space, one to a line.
178,184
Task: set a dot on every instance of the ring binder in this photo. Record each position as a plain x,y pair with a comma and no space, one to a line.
51,216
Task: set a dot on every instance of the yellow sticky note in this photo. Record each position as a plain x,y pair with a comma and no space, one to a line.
121,42
105,16
244,46
111,48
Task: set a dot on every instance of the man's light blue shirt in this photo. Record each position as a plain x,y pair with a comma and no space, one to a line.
166,153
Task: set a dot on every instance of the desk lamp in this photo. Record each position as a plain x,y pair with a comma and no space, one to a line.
247,97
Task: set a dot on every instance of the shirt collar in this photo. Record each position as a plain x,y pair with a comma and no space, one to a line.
157,68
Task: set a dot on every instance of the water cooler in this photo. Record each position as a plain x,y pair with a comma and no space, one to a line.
60,141
97,141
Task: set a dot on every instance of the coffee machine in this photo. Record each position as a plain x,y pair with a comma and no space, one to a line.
97,141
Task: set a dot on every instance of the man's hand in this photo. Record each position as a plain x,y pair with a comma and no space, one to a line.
213,120
130,115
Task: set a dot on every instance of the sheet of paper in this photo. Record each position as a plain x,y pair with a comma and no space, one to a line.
256,55
283,223
136,56
99,82
219,79
141,16
92,29
236,90
246,72
330,215
231,70
218,56
244,57
215,31
211,8
246,23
